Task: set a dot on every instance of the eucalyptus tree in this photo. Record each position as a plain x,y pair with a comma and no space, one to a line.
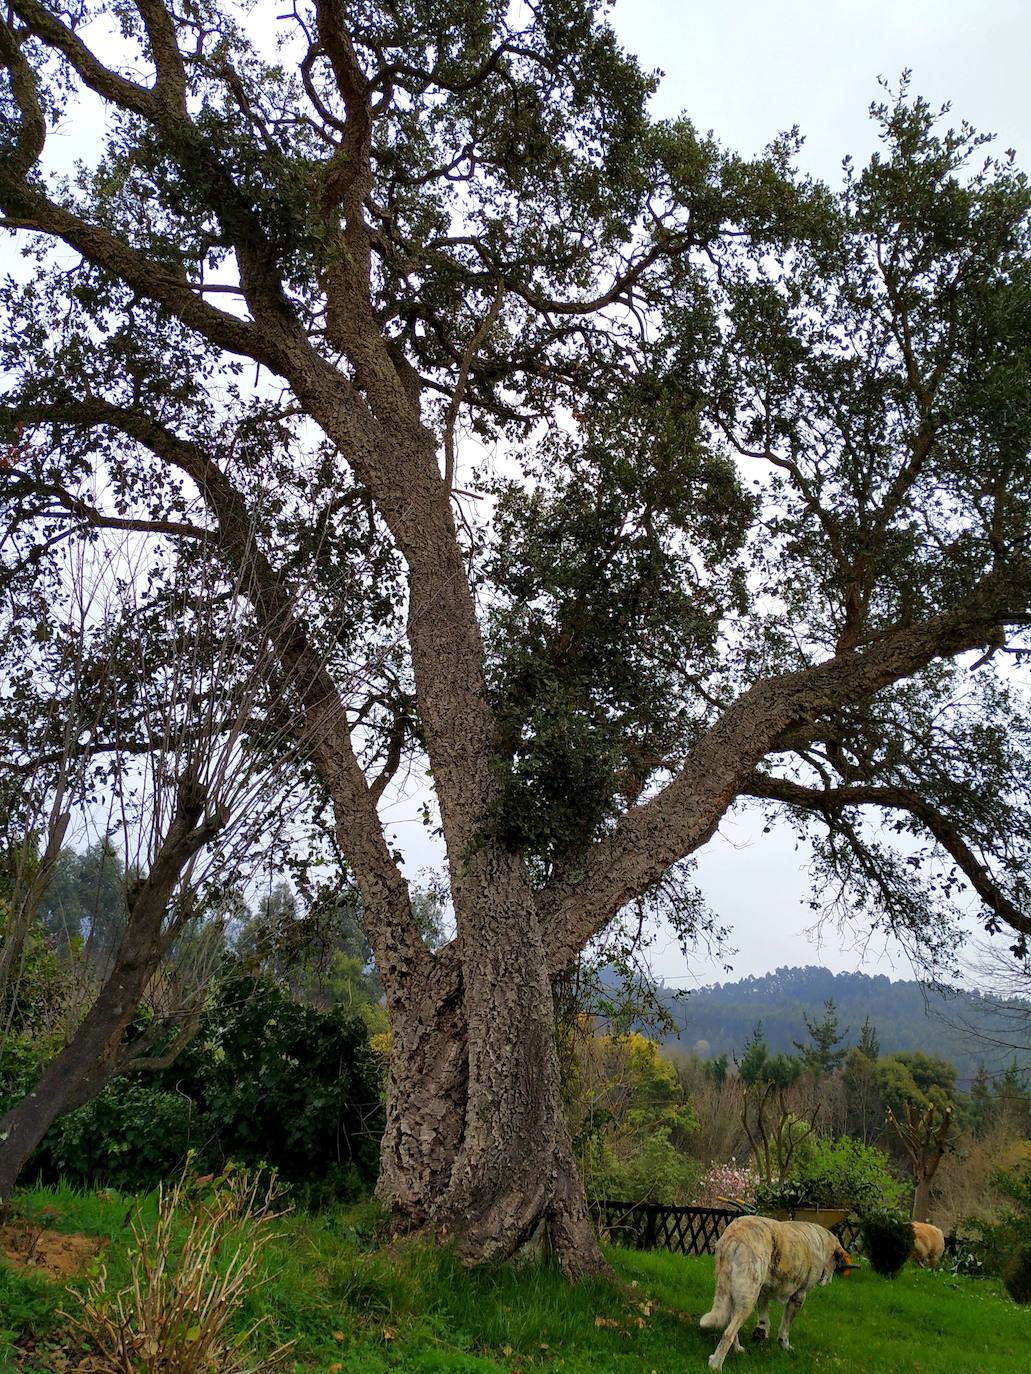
762,482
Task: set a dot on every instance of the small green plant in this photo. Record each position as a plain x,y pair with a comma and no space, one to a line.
781,1197
967,1257
174,1316
887,1242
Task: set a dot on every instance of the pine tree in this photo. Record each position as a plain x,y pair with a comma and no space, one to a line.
827,1051
754,1056
981,1104
869,1041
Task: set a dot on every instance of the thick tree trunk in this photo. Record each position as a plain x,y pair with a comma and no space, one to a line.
426,1096
476,1145
512,1182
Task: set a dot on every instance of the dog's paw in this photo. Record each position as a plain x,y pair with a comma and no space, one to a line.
784,1343
761,1333
715,1363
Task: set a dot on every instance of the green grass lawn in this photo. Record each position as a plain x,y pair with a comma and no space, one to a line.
405,1308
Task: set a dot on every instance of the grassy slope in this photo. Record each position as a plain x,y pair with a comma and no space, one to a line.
415,1311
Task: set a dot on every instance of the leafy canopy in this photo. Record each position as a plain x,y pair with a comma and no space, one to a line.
744,425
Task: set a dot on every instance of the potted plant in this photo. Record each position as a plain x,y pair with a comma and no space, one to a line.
796,1200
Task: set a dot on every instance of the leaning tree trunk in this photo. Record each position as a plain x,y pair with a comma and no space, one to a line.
91,1057
85,1065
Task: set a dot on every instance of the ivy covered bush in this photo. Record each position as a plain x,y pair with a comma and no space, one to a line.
266,1081
887,1242
131,1136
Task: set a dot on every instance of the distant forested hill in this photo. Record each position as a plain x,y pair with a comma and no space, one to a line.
906,1015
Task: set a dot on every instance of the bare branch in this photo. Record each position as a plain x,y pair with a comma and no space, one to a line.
398,945
483,329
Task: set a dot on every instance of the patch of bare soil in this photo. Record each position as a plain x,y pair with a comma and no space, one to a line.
51,1254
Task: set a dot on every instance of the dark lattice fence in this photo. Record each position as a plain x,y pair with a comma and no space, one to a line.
850,1236
683,1230
656,1226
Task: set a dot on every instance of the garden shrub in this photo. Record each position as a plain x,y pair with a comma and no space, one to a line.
129,1137
1004,1242
845,1173
887,1241
285,1084
192,1271
265,1081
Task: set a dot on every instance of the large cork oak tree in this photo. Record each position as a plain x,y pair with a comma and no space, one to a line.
613,479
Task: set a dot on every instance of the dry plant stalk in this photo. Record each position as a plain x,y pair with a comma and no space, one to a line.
173,1316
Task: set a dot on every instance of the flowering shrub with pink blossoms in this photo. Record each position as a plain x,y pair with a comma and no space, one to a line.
731,1180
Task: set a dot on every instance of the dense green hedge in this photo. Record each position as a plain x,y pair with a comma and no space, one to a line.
265,1081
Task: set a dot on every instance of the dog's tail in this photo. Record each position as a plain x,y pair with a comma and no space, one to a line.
717,1318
